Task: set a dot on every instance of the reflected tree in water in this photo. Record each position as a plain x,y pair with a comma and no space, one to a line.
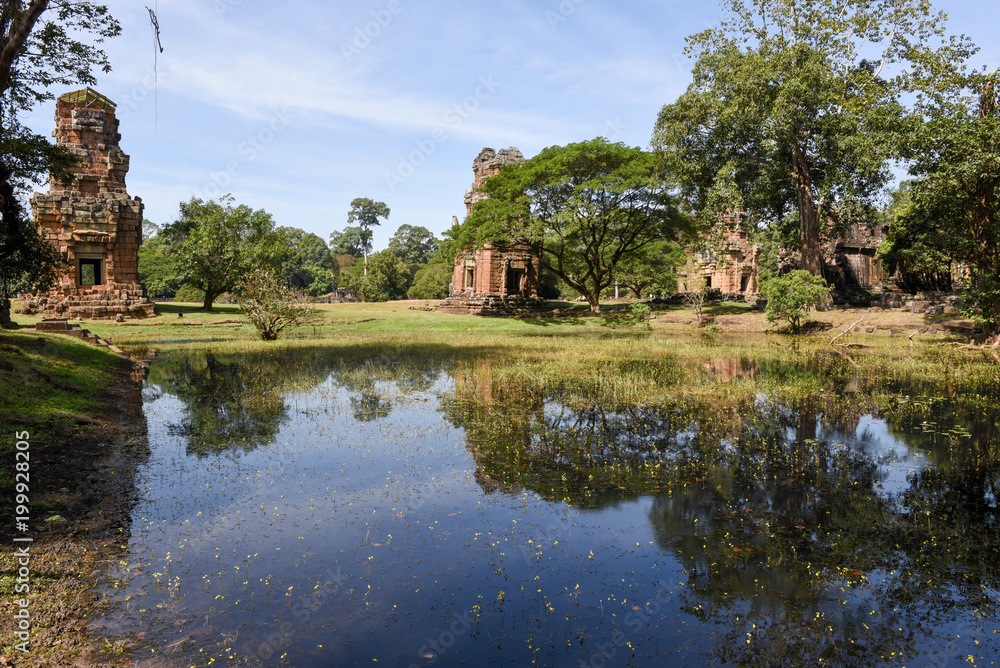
793,544
237,402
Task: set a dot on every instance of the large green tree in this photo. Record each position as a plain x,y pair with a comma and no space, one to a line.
651,269
159,270
588,206
40,47
306,262
387,278
917,249
431,281
365,213
799,103
223,243
414,244
957,193
349,241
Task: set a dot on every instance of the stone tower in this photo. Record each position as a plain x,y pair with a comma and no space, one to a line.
94,224
496,278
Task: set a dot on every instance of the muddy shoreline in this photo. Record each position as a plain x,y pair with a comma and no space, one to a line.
82,490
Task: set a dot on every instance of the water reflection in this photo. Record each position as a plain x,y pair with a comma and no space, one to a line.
384,508
812,530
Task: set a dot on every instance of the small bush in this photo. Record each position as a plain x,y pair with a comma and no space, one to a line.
271,305
641,313
791,296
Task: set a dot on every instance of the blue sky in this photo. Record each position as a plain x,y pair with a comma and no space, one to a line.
299,107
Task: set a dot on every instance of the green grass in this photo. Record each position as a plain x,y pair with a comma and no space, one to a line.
575,353
45,375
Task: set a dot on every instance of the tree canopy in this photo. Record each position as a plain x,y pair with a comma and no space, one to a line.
798,104
366,213
350,241
954,203
223,243
306,262
414,244
387,278
587,206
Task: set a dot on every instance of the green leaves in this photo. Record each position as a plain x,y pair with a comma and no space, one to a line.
954,207
587,205
223,243
797,104
790,297
270,304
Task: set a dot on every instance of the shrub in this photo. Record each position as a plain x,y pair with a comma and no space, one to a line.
641,313
790,297
271,305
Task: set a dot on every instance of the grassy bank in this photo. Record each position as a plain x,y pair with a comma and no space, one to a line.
66,396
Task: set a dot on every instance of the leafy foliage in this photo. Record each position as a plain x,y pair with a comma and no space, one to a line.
272,305
39,48
955,207
431,281
189,293
159,270
414,244
695,290
387,278
798,104
306,262
918,249
366,213
652,268
587,205
224,243
789,297
350,241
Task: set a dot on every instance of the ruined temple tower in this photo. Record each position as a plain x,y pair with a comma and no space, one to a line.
496,277
94,224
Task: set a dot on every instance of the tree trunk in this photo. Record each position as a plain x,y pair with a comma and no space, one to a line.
19,32
811,259
595,304
209,299
5,321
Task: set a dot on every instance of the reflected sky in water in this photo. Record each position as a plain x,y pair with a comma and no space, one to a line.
391,513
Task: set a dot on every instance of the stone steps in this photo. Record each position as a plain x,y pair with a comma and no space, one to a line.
64,327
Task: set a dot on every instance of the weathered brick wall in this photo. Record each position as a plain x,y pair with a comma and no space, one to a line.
93,217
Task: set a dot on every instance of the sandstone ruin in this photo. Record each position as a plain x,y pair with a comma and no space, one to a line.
729,261
495,278
94,224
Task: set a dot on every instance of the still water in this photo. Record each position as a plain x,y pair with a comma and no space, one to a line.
303,511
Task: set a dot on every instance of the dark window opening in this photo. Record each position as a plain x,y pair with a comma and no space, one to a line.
745,283
469,275
515,279
90,272
708,281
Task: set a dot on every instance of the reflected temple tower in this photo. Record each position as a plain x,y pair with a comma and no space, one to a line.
93,223
496,278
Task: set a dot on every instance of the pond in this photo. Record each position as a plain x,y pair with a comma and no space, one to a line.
300,510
